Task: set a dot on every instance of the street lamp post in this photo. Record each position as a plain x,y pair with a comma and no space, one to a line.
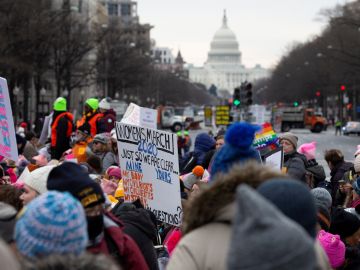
42,95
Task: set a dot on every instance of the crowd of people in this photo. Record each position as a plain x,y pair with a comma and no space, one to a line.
62,203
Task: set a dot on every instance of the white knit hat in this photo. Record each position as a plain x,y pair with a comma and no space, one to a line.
357,164
37,179
104,104
357,150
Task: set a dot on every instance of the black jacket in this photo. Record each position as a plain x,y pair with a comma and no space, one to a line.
140,227
296,165
337,173
317,171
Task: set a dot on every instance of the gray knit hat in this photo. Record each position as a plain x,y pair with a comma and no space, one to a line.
290,137
322,196
264,239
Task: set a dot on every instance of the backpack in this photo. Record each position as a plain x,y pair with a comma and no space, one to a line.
188,164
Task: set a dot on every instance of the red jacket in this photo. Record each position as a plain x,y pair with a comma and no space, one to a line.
128,254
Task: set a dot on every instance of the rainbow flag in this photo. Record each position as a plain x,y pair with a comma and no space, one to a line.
266,137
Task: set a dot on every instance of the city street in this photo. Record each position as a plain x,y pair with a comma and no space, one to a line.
325,140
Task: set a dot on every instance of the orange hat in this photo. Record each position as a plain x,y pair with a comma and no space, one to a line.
198,171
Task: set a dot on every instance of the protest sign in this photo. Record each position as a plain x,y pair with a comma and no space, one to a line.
150,170
8,145
275,159
140,116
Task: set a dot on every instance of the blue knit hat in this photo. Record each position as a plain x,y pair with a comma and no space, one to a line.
53,223
237,149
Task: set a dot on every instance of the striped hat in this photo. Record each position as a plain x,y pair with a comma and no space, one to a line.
53,223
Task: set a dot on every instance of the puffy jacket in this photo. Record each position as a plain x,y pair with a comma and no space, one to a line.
107,122
140,227
337,173
124,250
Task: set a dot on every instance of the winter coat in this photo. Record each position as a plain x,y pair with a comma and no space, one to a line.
203,144
124,249
207,246
30,151
107,159
140,227
337,173
317,171
296,165
107,122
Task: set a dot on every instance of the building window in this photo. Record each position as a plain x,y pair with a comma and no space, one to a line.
125,9
164,52
113,9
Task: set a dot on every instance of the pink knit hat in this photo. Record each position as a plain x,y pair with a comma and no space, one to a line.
308,149
114,171
333,247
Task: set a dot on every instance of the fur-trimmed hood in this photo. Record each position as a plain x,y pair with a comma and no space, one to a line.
216,202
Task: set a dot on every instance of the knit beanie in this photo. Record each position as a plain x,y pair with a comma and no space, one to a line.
263,238
101,138
290,137
7,221
72,178
60,104
333,247
114,171
190,179
237,148
104,104
308,149
357,164
53,223
93,103
344,223
37,179
321,195
294,200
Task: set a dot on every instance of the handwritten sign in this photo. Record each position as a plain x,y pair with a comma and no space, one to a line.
150,170
275,159
8,145
222,115
136,115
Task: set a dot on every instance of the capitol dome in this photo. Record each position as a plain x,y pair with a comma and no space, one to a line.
224,47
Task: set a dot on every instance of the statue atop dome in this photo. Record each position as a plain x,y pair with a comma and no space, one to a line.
224,20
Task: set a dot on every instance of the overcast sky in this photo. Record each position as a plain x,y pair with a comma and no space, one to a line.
264,28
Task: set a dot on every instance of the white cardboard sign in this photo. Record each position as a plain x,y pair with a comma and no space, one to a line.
150,170
8,145
275,159
140,116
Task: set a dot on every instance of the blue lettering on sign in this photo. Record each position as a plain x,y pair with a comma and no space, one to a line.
148,148
133,166
163,176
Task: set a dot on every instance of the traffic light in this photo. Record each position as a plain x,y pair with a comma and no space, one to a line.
236,97
296,104
342,88
318,93
248,89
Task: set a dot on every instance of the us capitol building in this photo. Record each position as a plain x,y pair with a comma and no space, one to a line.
223,67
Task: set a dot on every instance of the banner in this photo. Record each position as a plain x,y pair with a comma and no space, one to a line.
150,170
208,114
140,116
8,145
275,159
222,115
